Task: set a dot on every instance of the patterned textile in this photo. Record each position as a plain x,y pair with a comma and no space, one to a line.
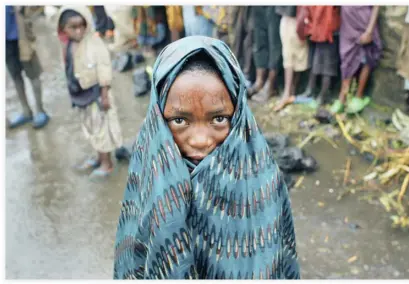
230,218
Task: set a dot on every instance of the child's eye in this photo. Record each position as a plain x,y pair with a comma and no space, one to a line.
220,119
178,121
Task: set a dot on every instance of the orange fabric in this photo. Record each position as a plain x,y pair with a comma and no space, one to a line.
322,22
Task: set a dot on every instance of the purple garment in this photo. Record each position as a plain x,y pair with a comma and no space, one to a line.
354,21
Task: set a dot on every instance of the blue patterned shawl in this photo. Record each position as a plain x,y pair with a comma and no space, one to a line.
230,218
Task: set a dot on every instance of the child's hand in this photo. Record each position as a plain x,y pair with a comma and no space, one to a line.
365,38
105,103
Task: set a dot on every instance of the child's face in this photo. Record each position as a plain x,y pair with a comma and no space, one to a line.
75,28
198,111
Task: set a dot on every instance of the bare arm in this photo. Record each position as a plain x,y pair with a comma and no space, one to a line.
104,98
104,92
373,19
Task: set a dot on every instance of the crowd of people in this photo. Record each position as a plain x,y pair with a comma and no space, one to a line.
325,40
328,41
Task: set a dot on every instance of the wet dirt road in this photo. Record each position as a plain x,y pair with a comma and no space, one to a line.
59,224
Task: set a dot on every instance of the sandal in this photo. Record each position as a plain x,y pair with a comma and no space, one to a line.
88,165
40,120
98,174
356,104
337,107
19,120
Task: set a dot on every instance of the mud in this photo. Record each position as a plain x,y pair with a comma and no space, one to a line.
59,224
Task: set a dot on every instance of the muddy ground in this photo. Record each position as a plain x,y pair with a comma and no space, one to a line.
59,224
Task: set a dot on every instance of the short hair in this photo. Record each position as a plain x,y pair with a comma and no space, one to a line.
201,62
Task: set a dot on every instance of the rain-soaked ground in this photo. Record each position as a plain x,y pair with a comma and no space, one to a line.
59,224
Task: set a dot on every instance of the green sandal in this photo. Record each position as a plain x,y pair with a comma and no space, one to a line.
337,107
356,104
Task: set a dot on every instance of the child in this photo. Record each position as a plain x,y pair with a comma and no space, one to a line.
89,74
360,51
295,53
322,26
403,58
21,56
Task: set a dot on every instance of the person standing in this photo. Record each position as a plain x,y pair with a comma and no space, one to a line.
295,54
21,56
267,50
88,71
360,49
322,27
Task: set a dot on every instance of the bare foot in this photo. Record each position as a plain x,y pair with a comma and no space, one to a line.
286,100
264,95
255,88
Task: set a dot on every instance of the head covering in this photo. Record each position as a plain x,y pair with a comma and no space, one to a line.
85,12
229,218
